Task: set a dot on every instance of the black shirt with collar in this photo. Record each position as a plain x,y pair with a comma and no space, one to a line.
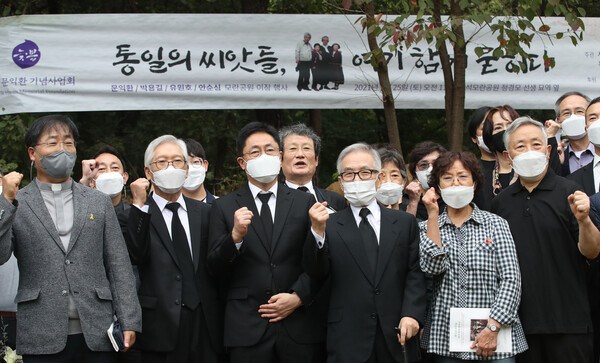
553,271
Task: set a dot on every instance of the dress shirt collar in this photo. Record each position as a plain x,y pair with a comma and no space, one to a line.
54,187
162,202
308,185
255,190
596,160
373,207
590,149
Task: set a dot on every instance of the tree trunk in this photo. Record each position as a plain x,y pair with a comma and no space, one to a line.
455,137
316,121
447,71
389,109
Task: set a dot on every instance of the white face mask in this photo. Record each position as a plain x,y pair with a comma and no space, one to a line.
482,144
0,189
530,165
169,180
110,183
389,193
574,127
264,168
359,193
594,133
423,177
458,196
195,178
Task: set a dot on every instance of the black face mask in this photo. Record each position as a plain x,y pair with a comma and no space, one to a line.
498,142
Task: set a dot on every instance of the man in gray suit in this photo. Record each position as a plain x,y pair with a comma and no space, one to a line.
75,272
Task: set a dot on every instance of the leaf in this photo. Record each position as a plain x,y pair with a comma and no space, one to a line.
6,12
357,20
574,39
498,53
544,28
346,4
414,2
559,35
479,51
416,28
378,17
522,25
581,11
395,38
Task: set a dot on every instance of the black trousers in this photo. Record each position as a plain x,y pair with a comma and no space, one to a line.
276,346
303,74
558,348
193,342
76,351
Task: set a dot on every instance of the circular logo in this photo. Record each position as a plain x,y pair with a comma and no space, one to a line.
26,54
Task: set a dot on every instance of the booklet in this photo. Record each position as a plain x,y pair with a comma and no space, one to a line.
465,325
115,335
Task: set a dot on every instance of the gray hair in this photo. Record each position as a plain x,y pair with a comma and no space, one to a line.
324,36
568,94
359,146
307,33
300,130
521,121
149,154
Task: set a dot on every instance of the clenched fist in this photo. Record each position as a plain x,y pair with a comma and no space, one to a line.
10,185
241,220
139,190
318,217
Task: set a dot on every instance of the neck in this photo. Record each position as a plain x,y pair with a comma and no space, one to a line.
459,216
116,200
579,145
299,180
486,156
530,184
505,166
597,150
260,185
198,194
168,197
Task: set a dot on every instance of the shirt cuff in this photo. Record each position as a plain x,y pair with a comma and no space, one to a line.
144,209
320,240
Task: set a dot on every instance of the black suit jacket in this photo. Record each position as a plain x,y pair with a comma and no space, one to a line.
333,199
584,176
151,249
358,300
256,272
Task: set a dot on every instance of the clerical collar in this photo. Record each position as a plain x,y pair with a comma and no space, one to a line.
54,187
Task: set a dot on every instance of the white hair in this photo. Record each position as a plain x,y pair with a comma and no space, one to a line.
359,146
521,121
149,154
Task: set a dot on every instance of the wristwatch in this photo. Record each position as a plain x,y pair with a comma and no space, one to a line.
493,328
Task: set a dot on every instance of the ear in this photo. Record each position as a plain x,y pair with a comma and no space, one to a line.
205,165
125,178
241,163
474,141
93,184
31,152
148,173
341,184
507,156
549,148
317,160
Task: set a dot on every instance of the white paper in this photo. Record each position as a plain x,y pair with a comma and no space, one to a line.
466,323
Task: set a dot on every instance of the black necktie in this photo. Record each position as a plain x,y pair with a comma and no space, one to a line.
369,238
303,188
265,215
189,294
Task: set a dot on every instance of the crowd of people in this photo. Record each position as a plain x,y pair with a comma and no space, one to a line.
281,270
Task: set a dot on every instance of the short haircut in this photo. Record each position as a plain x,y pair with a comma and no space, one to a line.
488,123
194,148
107,149
252,128
476,119
307,33
149,154
447,159
568,94
359,146
324,36
300,130
334,44
44,123
389,154
521,121
420,151
595,100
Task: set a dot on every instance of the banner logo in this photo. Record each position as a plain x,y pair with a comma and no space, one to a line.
26,54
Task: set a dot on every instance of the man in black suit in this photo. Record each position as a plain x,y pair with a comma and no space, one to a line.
258,238
588,176
371,254
181,315
300,158
579,152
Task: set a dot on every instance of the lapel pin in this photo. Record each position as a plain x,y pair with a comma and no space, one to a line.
92,216
488,240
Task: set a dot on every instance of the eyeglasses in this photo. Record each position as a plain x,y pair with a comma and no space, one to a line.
163,164
196,161
270,150
364,174
424,165
462,179
55,145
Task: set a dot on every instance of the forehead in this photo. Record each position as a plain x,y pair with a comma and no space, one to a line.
259,139
500,116
431,156
456,166
358,159
167,149
390,167
594,108
56,130
298,139
109,159
526,132
573,101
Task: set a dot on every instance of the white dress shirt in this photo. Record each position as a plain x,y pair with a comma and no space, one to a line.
596,165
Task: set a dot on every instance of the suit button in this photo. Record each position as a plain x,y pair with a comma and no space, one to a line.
273,266
177,302
67,262
373,316
268,292
377,291
64,292
178,277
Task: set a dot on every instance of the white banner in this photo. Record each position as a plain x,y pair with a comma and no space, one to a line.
98,62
